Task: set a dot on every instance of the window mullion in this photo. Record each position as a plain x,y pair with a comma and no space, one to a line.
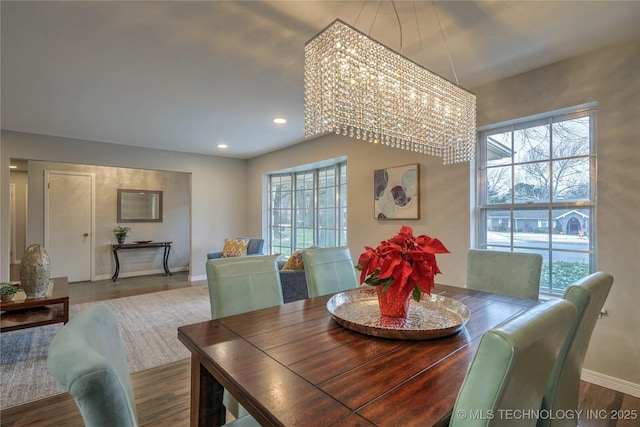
311,205
551,163
294,211
316,233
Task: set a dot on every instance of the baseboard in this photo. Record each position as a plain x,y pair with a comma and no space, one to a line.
196,278
612,383
141,273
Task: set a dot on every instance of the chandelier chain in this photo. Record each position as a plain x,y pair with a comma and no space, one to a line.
415,13
435,11
364,3
375,17
399,24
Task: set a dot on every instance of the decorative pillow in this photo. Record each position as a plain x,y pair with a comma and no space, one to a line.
234,247
294,262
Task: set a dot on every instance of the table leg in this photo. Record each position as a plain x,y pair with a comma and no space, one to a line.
206,397
115,275
165,260
65,308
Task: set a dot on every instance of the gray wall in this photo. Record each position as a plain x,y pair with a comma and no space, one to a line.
174,227
610,77
444,196
218,202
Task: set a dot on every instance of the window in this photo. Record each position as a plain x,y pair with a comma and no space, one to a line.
536,193
308,208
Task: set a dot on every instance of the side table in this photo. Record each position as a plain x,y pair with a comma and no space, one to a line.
22,312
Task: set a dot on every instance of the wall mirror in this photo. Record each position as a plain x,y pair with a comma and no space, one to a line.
139,205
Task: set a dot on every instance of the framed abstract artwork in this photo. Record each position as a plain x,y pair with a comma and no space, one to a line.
396,192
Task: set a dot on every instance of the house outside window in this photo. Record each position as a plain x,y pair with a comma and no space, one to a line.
307,208
536,192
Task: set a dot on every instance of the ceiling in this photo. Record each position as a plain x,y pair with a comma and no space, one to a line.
186,76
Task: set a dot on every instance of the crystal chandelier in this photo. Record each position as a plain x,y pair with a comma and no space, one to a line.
356,86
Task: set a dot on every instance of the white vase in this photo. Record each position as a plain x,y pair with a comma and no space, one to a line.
35,270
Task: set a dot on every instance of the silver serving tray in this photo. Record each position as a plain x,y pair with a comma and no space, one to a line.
434,316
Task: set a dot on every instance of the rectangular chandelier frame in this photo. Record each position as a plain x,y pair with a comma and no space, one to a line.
356,86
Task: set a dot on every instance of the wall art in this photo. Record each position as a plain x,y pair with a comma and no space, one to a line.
396,192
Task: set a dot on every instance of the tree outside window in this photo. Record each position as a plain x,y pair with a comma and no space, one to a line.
307,208
536,193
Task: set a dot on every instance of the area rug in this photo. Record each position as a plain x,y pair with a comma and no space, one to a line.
148,324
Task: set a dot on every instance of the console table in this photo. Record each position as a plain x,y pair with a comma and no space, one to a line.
22,312
123,246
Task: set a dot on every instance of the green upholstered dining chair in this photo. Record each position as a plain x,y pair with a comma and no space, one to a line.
329,270
588,295
238,285
506,273
242,284
511,366
87,359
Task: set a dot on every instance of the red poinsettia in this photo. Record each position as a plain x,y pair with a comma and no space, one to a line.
403,260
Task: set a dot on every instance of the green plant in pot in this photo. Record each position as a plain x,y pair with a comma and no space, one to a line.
7,292
121,233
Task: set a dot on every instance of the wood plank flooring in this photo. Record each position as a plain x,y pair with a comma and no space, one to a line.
162,399
162,393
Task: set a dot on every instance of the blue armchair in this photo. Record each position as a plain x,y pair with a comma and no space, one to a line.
253,248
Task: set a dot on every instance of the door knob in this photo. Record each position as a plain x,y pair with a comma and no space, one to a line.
85,235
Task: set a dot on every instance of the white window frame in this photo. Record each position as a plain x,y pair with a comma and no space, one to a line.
337,230
481,206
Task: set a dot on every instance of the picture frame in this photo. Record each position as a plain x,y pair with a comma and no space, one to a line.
139,205
396,192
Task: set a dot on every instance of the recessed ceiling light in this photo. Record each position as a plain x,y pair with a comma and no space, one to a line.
13,167
222,145
279,120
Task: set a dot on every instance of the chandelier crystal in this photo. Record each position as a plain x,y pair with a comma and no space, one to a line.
356,86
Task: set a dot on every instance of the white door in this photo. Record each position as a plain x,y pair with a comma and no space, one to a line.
68,224
12,216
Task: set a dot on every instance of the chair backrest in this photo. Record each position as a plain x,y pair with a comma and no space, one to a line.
329,270
511,366
87,359
506,273
241,284
238,285
588,295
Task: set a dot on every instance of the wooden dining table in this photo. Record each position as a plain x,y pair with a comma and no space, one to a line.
293,365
